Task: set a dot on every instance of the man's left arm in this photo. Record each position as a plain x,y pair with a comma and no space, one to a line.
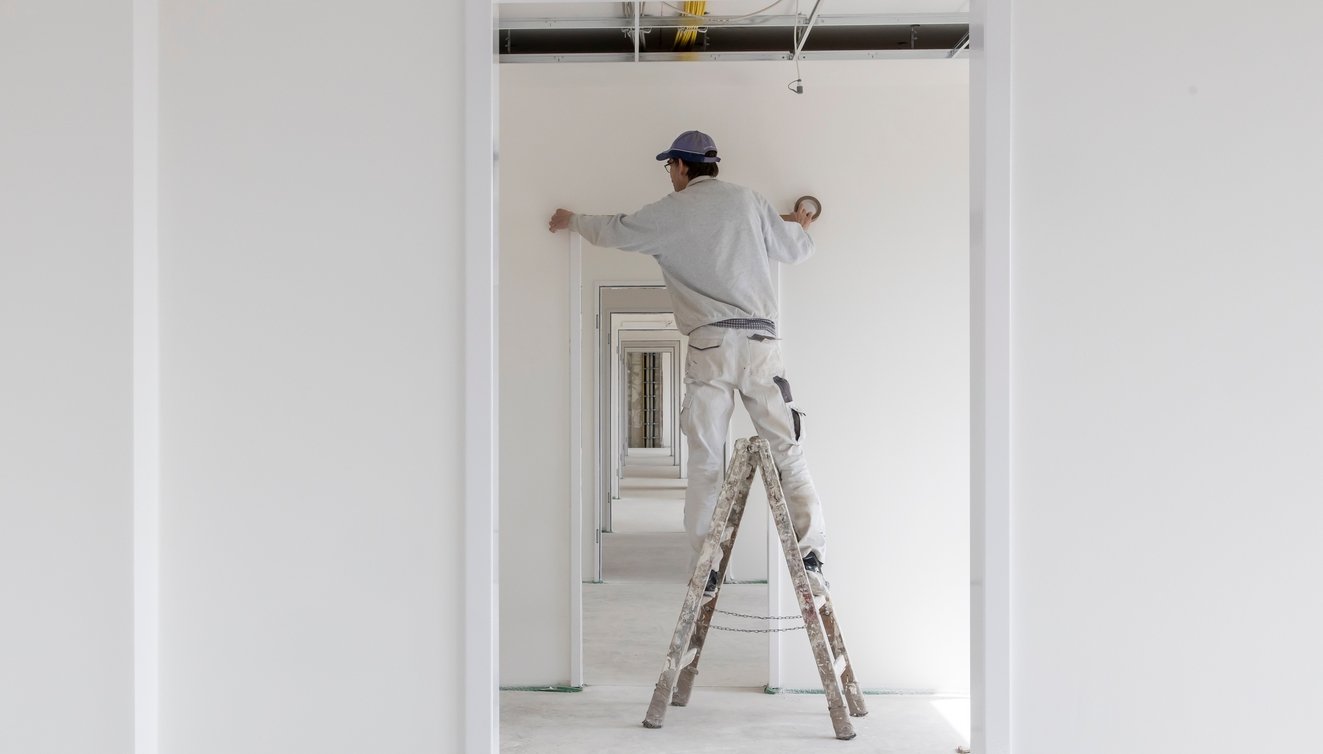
801,216
787,235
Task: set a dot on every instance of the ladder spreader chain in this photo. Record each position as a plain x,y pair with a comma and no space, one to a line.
715,627
799,618
760,617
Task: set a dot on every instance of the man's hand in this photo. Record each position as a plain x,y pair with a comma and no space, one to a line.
804,217
801,216
560,220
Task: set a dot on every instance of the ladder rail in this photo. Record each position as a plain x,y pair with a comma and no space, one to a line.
737,485
822,653
853,696
686,683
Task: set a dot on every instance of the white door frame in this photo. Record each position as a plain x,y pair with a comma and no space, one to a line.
990,407
481,643
576,460
990,376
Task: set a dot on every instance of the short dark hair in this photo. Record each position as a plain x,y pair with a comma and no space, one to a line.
695,169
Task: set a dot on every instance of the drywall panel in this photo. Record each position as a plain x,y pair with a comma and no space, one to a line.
66,390
876,324
312,306
877,343
1167,362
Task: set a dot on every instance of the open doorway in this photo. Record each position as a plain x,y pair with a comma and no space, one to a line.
641,537
639,312
642,563
875,325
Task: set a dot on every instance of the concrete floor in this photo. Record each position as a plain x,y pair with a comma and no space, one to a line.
628,627
609,719
628,622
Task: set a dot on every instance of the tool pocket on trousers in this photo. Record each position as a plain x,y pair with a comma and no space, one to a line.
796,416
706,342
704,354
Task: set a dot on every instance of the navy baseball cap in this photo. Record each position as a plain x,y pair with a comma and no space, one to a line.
693,146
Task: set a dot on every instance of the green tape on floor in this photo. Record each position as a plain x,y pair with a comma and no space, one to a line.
559,689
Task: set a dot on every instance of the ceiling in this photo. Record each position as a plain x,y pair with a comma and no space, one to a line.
556,32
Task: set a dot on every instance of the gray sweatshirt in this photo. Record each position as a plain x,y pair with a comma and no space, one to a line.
714,242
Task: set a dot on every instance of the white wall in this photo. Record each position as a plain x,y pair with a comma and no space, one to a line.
876,325
312,421
1167,378
66,466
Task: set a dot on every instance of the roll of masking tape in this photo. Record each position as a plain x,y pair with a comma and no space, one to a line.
810,204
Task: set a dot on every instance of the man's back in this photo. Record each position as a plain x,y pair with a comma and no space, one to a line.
714,241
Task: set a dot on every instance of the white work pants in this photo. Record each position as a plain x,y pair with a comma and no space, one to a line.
720,362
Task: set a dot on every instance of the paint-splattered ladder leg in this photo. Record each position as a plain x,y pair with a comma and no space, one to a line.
685,685
822,653
853,696
736,487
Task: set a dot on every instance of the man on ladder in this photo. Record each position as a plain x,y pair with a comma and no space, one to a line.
715,243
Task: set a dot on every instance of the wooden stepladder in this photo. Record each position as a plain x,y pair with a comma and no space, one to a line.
696,613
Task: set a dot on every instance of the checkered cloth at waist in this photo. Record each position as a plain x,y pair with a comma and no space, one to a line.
766,325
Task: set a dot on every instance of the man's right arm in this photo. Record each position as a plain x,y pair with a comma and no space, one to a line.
640,231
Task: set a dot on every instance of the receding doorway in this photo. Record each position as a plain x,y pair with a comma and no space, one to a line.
642,563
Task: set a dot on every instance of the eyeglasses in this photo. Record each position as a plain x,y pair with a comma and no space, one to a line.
668,164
